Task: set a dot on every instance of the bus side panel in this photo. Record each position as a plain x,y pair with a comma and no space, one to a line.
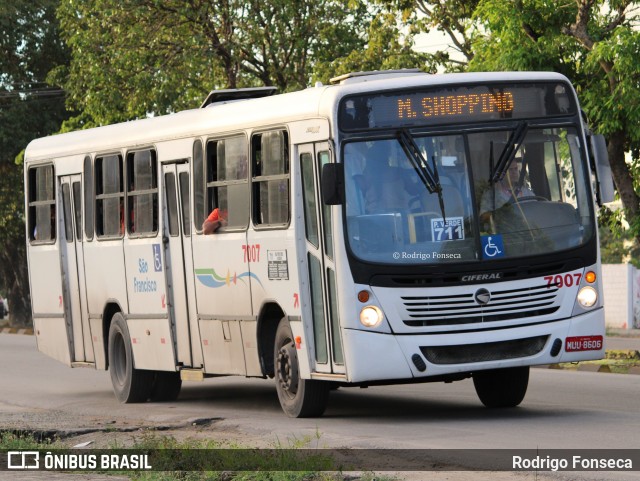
105,275
223,293
52,339
151,344
223,348
49,324
274,278
145,277
250,341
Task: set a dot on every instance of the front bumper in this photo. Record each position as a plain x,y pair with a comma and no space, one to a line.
374,356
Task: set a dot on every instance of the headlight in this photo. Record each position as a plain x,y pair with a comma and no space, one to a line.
371,316
587,296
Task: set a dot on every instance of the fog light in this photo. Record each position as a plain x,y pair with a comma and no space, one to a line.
370,316
587,296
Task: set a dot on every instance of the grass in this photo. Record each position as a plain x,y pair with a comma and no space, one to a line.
617,361
182,459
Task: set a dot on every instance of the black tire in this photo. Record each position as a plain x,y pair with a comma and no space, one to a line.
130,385
166,386
299,398
502,388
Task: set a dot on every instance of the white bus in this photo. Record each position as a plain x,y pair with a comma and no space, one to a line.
391,227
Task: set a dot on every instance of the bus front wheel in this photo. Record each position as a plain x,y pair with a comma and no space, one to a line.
299,398
502,388
130,385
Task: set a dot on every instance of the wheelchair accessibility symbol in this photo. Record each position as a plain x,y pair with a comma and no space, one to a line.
492,246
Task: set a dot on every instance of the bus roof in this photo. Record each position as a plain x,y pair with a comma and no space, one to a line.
232,116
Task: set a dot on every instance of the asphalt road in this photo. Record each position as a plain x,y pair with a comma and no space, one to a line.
562,410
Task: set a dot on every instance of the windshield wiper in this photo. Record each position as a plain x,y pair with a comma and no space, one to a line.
428,177
419,163
509,152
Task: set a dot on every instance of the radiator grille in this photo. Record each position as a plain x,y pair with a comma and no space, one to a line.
488,351
447,310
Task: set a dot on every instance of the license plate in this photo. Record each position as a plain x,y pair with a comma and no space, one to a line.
583,343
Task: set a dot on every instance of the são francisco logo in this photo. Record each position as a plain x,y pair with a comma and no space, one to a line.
210,278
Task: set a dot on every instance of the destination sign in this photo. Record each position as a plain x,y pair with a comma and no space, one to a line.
455,104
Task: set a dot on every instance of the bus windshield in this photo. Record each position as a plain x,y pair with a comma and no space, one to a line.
493,198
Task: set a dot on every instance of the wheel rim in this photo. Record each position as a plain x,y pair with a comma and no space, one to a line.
287,369
119,361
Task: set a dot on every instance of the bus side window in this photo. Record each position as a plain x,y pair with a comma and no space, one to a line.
227,189
109,196
142,193
270,178
88,198
42,204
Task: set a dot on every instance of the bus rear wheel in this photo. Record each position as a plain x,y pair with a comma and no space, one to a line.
502,388
130,385
299,398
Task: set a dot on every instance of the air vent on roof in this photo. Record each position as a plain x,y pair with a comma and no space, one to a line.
359,75
217,96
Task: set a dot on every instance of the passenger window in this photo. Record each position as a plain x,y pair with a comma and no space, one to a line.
88,198
142,193
270,181
227,181
42,204
109,196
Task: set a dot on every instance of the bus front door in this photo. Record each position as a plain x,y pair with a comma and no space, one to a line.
72,261
176,239
320,260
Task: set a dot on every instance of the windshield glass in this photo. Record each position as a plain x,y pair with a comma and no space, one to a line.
540,203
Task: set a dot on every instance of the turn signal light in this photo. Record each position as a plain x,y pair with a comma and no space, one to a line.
590,277
363,296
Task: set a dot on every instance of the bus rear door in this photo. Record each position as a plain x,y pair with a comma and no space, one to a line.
72,262
176,239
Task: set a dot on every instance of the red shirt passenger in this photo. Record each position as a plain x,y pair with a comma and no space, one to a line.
214,221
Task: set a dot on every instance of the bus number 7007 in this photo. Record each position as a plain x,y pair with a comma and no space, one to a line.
251,252
561,281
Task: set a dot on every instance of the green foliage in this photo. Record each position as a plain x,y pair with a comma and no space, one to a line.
595,43
10,440
29,108
385,49
133,58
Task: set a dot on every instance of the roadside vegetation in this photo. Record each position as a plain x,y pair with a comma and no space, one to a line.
616,361
183,458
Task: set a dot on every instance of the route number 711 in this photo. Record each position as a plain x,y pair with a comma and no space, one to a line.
561,281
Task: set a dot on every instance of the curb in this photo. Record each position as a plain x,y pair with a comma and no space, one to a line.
583,367
15,330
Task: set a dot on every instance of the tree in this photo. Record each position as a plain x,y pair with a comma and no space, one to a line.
385,49
29,108
593,42
596,45
454,18
133,58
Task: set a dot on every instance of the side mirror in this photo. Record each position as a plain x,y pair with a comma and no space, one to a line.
332,184
605,191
